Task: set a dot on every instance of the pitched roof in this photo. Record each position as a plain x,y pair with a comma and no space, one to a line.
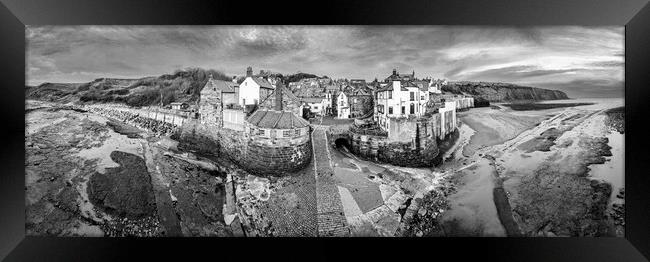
223,86
422,85
273,119
360,92
309,92
312,99
262,82
285,92
389,86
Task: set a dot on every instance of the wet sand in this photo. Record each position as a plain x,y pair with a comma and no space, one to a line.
495,126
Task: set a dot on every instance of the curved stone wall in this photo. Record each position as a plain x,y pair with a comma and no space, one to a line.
380,149
253,156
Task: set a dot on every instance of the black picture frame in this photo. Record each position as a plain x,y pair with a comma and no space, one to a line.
633,14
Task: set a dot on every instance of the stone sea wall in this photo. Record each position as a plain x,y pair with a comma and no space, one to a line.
380,149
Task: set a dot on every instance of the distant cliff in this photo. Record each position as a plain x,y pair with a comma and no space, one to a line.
502,92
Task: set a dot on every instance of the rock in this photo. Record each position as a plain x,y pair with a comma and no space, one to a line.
386,191
396,200
229,218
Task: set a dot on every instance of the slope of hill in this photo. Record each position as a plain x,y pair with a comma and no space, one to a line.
501,92
181,86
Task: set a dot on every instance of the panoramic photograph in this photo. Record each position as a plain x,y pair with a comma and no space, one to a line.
324,131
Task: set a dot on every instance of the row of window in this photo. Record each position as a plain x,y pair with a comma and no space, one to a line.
285,133
382,95
412,109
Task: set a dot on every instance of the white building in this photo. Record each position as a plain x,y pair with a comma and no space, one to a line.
435,87
317,105
448,122
254,89
342,106
400,99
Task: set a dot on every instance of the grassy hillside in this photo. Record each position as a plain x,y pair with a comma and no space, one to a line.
181,86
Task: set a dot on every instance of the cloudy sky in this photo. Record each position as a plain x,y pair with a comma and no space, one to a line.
582,61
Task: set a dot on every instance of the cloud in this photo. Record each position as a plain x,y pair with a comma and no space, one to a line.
536,55
516,72
593,88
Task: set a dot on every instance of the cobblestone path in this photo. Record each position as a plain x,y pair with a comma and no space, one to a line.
331,219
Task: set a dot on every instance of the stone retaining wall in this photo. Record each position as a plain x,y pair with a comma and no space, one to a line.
253,157
381,149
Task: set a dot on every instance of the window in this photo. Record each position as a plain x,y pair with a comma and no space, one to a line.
403,110
286,133
390,110
421,97
260,132
412,108
297,132
412,96
390,94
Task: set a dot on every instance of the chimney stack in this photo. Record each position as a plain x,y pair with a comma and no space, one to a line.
278,96
249,72
394,71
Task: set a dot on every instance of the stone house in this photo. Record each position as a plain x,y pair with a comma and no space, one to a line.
360,101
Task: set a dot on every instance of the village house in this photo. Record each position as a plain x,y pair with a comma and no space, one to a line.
342,106
360,101
358,83
435,85
218,105
179,105
401,77
316,105
253,89
399,98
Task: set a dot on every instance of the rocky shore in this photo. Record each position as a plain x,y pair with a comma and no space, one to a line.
88,175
